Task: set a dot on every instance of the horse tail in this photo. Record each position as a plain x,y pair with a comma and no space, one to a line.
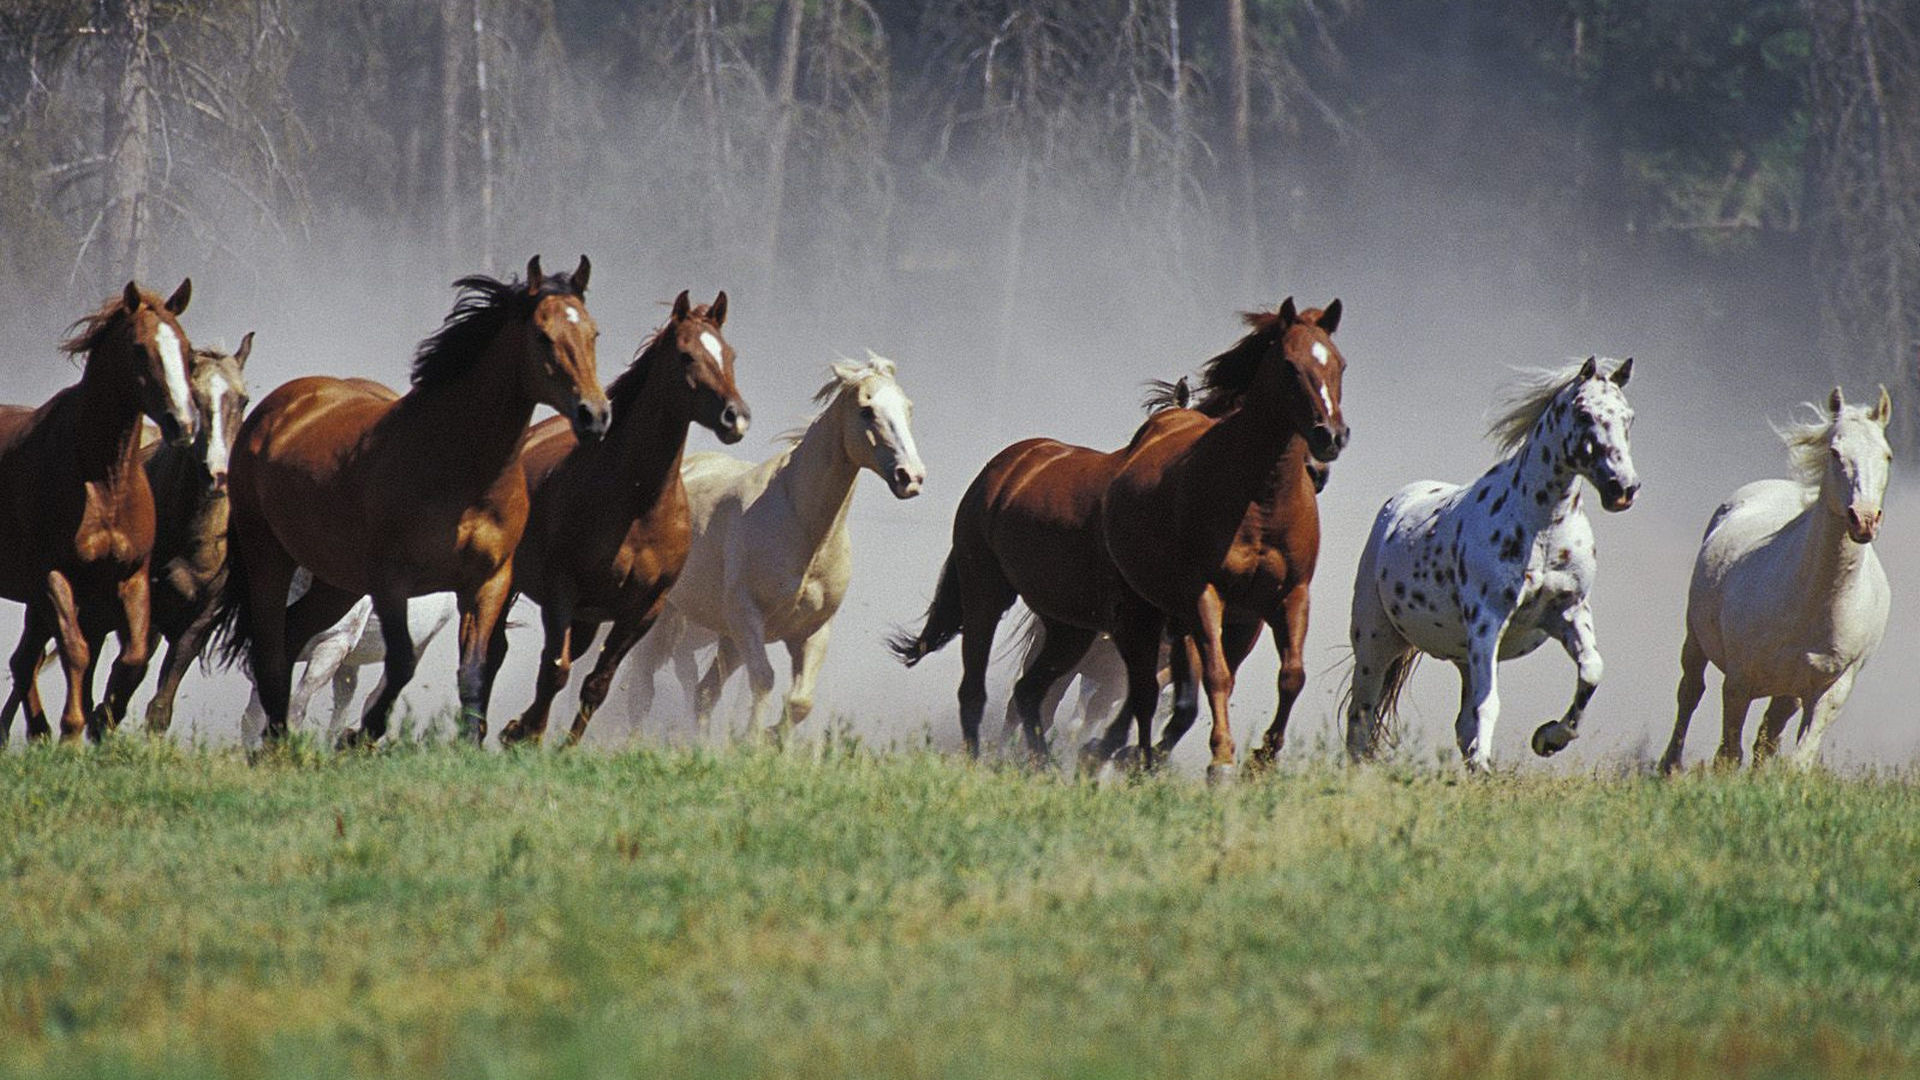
1387,712
945,617
232,636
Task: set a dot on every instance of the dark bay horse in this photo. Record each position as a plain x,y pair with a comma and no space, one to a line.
609,530
1213,524
76,512
188,565
393,496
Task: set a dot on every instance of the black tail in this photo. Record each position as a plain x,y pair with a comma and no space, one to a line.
1386,711
232,638
943,622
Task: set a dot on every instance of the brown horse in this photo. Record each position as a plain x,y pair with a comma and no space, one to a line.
394,496
76,514
1213,524
609,530
188,566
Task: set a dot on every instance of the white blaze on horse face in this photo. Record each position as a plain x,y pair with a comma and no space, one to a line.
712,345
573,314
173,367
217,448
1321,354
891,429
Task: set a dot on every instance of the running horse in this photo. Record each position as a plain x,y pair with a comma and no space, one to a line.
1213,523
76,512
610,528
392,496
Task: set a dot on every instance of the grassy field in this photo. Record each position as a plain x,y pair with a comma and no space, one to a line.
441,912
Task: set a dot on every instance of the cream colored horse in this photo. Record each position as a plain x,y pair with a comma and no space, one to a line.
771,555
1788,599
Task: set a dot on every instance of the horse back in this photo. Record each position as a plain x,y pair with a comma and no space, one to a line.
1034,512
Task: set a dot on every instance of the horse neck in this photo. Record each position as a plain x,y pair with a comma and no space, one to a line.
1540,489
643,448
191,520
1246,453
109,442
483,412
1828,556
819,476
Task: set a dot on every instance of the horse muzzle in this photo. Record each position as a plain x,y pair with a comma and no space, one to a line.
1325,442
734,420
1616,496
906,480
176,431
1862,525
590,420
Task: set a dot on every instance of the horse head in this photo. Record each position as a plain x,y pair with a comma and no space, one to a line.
1316,368
1858,464
707,360
562,336
219,387
1595,429
157,350
877,424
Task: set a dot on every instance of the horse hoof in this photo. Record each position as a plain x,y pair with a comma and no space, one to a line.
1092,756
1551,738
350,739
1218,775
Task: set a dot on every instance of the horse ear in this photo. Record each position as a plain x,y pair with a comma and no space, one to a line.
682,304
717,311
1589,369
1330,318
1622,373
246,349
534,277
580,275
1835,402
1883,409
130,296
177,303
1288,313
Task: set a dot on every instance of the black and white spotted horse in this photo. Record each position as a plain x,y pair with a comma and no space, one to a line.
1492,570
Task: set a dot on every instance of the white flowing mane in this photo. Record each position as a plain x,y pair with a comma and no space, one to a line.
844,375
1524,402
1807,439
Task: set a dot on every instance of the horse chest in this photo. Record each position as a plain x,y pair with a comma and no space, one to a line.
112,528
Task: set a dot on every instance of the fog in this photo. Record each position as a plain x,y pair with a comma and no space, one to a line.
1440,308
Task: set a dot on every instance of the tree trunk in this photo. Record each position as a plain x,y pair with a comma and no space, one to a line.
452,63
129,141
786,73
1245,218
486,134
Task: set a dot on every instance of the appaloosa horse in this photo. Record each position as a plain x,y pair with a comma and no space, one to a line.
609,532
393,496
76,511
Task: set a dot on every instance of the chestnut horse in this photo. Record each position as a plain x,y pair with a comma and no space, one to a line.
76,513
393,496
609,530
188,566
1213,524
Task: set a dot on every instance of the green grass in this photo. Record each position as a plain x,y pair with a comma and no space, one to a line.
440,912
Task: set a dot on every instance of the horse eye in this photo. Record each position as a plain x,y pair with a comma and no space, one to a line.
866,411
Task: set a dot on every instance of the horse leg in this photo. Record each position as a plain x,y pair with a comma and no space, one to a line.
1379,651
1819,715
480,613
390,607
1734,702
1216,674
269,573
661,645
706,695
1136,634
346,686
1289,641
134,628
1061,648
496,650
1577,637
806,655
556,665
593,693
27,660
75,657
1103,683
1693,685
1183,667
1479,703
326,661
1766,743
180,655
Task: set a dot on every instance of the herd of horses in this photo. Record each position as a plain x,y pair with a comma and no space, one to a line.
341,521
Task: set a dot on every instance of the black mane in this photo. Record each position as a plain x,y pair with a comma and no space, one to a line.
625,389
1225,377
485,304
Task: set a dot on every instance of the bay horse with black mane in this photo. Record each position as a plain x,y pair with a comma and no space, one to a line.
393,496
76,512
1213,524
1034,525
609,530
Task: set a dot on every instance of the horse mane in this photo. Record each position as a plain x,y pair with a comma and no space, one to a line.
843,375
1529,397
625,389
87,331
483,305
1807,439
1227,376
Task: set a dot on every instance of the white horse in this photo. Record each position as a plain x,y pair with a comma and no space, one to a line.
1490,571
1788,599
337,654
771,556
